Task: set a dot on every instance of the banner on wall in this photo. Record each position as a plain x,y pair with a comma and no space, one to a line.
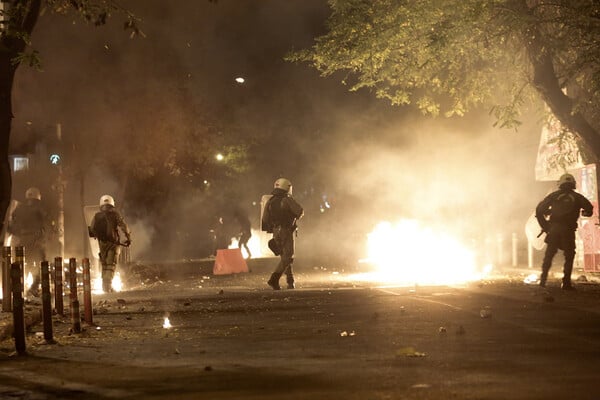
556,145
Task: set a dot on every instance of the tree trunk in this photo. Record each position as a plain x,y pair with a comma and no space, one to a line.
20,24
545,81
547,85
7,72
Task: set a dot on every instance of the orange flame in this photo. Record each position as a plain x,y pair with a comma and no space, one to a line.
407,253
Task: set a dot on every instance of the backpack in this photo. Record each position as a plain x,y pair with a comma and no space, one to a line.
104,228
273,214
563,204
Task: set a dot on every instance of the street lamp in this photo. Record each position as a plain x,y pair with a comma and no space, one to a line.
219,157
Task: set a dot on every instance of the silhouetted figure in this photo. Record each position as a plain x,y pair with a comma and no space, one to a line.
221,241
245,232
279,217
105,227
557,215
28,225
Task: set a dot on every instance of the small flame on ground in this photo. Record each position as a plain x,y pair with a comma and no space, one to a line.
167,323
97,285
28,281
406,253
531,279
117,284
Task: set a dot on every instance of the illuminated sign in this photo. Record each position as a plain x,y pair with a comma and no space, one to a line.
20,163
54,159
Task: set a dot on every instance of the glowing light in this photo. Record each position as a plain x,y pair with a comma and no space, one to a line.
531,279
28,281
253,244
54,159
167,323
408,254
219,157
117,283
239,79
487,269
97,285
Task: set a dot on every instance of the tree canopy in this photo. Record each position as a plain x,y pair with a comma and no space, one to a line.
159,137
448,57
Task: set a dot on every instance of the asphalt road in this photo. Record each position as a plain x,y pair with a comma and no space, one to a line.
332,338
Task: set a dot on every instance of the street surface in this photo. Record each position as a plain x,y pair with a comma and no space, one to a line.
232,337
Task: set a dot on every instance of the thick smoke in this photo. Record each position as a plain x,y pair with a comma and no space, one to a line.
369,161
459,177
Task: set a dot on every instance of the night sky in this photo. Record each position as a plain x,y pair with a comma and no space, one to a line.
372,161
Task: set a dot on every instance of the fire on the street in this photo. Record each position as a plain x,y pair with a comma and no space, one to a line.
167,323
253,245
28,281
117,284
407,253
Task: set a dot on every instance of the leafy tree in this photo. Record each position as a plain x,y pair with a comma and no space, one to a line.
19,19
449,56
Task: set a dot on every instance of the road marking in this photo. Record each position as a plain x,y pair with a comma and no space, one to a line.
423,299
60,384
545,331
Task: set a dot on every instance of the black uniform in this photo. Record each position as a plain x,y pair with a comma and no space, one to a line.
562,208
28,225
282,211
105,227
245,230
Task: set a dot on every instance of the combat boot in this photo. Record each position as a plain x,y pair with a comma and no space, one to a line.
274,281
543,279
566,285
290,282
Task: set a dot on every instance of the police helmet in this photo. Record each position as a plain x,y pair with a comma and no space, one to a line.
107,199
567,181
33,193
284,184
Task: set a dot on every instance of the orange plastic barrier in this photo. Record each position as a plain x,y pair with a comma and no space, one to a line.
229,261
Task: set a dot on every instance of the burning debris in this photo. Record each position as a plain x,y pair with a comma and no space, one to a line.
117,284
253,245
407,253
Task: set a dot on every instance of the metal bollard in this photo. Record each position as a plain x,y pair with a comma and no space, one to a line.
16,277
87,292
72,278
75,315
6,286
20,259
58,286
46,302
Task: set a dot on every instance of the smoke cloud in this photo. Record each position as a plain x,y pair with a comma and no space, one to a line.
367,160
